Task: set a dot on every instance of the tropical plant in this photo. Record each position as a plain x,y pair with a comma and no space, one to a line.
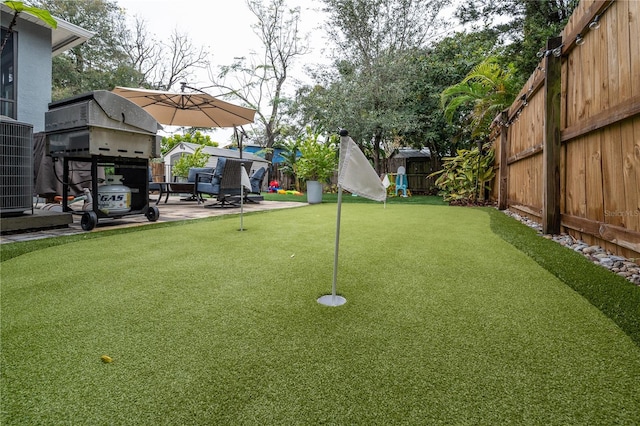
290,155
186,161
464,178
487,89
319,159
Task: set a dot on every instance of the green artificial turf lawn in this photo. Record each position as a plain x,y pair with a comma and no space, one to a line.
445,323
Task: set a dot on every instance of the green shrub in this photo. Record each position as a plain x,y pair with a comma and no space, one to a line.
186,161
465,176
319,159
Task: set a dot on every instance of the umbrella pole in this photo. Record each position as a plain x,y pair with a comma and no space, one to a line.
239,135
241,198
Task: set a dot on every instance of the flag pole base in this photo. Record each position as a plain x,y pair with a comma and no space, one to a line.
331,300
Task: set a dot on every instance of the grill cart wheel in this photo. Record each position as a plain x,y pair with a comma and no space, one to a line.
88,221
153,214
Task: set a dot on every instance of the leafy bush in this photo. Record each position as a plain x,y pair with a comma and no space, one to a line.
168,143
319,158
465,176
187,161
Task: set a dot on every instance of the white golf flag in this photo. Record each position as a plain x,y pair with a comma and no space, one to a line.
355,173
386,182
246,182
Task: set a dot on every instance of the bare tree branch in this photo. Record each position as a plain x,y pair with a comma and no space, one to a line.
259,82
163,65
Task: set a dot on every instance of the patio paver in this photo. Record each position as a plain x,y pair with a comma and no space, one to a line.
174,210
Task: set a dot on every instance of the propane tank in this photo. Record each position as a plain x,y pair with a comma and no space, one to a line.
114,198
88,200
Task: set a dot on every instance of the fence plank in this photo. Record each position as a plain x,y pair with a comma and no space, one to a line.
613,179
612,55
576,175
634,34
631,172
571,80
594,198
601,85
624,52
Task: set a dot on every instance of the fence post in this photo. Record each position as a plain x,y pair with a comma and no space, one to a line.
551,218
503,178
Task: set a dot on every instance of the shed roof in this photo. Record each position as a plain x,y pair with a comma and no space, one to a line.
411,153
215,152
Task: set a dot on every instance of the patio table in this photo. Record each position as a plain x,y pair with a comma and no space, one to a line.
176,188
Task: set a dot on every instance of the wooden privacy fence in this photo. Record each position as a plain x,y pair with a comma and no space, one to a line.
568,149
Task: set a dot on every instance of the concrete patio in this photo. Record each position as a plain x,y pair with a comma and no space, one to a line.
173,210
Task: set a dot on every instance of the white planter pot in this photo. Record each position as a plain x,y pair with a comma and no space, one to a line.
314,192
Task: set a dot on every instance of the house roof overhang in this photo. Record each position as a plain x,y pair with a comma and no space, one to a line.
63,38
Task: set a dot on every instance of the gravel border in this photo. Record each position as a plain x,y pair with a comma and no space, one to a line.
627,268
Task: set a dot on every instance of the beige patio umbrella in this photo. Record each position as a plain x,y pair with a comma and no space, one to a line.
197,109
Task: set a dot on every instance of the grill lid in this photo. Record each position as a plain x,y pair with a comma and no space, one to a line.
103,106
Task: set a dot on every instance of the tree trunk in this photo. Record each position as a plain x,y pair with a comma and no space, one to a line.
376,150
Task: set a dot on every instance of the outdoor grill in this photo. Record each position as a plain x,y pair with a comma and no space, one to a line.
100,123
108,135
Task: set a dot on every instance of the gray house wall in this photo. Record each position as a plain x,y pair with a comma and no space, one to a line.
32,71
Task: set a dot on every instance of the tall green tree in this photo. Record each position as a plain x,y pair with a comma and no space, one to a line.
101,62
169,142
290,155
442,65
525,25
376,40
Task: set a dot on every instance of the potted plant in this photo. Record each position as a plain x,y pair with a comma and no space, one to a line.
180,169
317,164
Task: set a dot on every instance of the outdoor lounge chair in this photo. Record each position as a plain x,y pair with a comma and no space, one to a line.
254,196
154,186
224,183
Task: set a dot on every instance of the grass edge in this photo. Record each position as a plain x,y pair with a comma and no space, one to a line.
614,296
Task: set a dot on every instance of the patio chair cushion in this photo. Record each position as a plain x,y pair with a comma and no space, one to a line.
153,186
211,186
219,167
256,180
206,181
195,170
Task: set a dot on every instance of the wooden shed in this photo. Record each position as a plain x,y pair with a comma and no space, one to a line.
417,163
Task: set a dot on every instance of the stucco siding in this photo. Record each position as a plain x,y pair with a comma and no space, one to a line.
33,72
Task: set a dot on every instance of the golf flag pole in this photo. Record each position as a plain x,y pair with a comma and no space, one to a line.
245,182
386,183
241,196
356,175
333,299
